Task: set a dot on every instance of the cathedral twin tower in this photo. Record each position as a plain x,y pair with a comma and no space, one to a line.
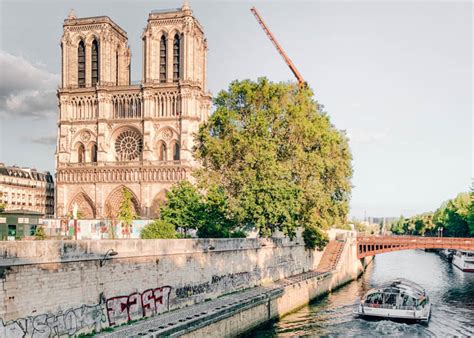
113,135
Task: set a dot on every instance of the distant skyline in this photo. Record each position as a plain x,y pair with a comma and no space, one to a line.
397,76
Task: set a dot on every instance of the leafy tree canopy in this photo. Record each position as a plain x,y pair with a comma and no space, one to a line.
205,211
182,206
126,212
455,217
277,158
158,229
2,205
40,234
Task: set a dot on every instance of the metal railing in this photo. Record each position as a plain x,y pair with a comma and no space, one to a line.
389,306
85,165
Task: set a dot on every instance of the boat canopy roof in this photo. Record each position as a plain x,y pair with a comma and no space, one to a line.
400,285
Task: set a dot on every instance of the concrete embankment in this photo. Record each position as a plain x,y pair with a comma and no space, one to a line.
66,288
240,312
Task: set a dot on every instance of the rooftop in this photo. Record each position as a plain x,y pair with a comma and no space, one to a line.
158,11
30,173
72,20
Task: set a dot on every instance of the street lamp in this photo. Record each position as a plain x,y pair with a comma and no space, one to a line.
109,253
440,231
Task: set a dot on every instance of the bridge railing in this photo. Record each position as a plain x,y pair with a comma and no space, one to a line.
371,245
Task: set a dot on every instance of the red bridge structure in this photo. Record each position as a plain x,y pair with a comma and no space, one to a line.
373,245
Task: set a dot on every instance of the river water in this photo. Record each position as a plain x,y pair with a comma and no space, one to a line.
451,292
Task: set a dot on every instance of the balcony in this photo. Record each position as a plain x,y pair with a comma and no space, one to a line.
88,165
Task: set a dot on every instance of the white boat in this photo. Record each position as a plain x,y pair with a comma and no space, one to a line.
464,260
399,299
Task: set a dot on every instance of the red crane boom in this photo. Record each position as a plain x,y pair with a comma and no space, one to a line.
280,50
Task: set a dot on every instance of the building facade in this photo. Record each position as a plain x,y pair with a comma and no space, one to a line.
113,135
26,189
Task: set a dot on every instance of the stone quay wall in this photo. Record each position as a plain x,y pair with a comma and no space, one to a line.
60,288
293,294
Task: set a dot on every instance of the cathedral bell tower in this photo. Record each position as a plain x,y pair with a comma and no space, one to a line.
114,136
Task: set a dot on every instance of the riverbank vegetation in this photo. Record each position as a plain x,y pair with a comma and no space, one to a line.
271,160
454,218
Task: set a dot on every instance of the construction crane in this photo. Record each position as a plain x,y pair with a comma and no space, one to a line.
280,50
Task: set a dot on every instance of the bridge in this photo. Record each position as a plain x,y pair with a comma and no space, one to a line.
373,245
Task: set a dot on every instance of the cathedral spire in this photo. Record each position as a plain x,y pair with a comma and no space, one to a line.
72,14
185,6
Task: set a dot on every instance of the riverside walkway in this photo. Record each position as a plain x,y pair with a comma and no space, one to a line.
181,321
188,319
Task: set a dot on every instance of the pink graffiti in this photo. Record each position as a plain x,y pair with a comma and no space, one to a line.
137,305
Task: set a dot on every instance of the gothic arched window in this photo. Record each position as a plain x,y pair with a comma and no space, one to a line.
81,64
176,58
81,153
163,59
162,152
176,152
94,153
95,62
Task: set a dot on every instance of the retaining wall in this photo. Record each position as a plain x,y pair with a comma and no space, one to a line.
297,293
59,288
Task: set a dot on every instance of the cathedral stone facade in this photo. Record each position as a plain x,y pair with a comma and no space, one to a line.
113,135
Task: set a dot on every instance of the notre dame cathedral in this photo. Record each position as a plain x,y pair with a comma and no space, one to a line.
113,135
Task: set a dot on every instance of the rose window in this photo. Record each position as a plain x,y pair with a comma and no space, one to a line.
128,145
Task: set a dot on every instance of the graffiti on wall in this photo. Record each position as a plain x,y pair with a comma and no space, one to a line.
88,318
232,280
193,290
63,323
137,305
217,283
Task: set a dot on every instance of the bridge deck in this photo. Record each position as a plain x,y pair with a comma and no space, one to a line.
373,245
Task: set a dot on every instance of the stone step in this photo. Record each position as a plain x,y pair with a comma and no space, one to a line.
330,256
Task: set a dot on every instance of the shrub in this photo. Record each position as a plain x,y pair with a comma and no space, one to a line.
158,229
40,234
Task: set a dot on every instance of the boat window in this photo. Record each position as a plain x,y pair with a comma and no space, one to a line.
375,298
408,301
390,299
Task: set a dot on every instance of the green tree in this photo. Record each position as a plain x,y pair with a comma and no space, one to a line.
126,211
40,234
182,207
205,210
2,205
280,161
158,229
470,216
214,220
398,226
454,217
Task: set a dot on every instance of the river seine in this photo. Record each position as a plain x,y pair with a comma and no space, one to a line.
451,292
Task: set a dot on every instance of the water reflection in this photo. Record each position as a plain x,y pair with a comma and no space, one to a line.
451,292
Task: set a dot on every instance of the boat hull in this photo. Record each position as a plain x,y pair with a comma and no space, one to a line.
395,314
461,264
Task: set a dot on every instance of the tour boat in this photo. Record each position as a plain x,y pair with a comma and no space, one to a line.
464,260
400,299
447,254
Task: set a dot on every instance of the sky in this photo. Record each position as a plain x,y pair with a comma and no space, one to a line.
396,76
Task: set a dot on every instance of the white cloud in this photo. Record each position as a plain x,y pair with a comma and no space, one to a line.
26,90
43,140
